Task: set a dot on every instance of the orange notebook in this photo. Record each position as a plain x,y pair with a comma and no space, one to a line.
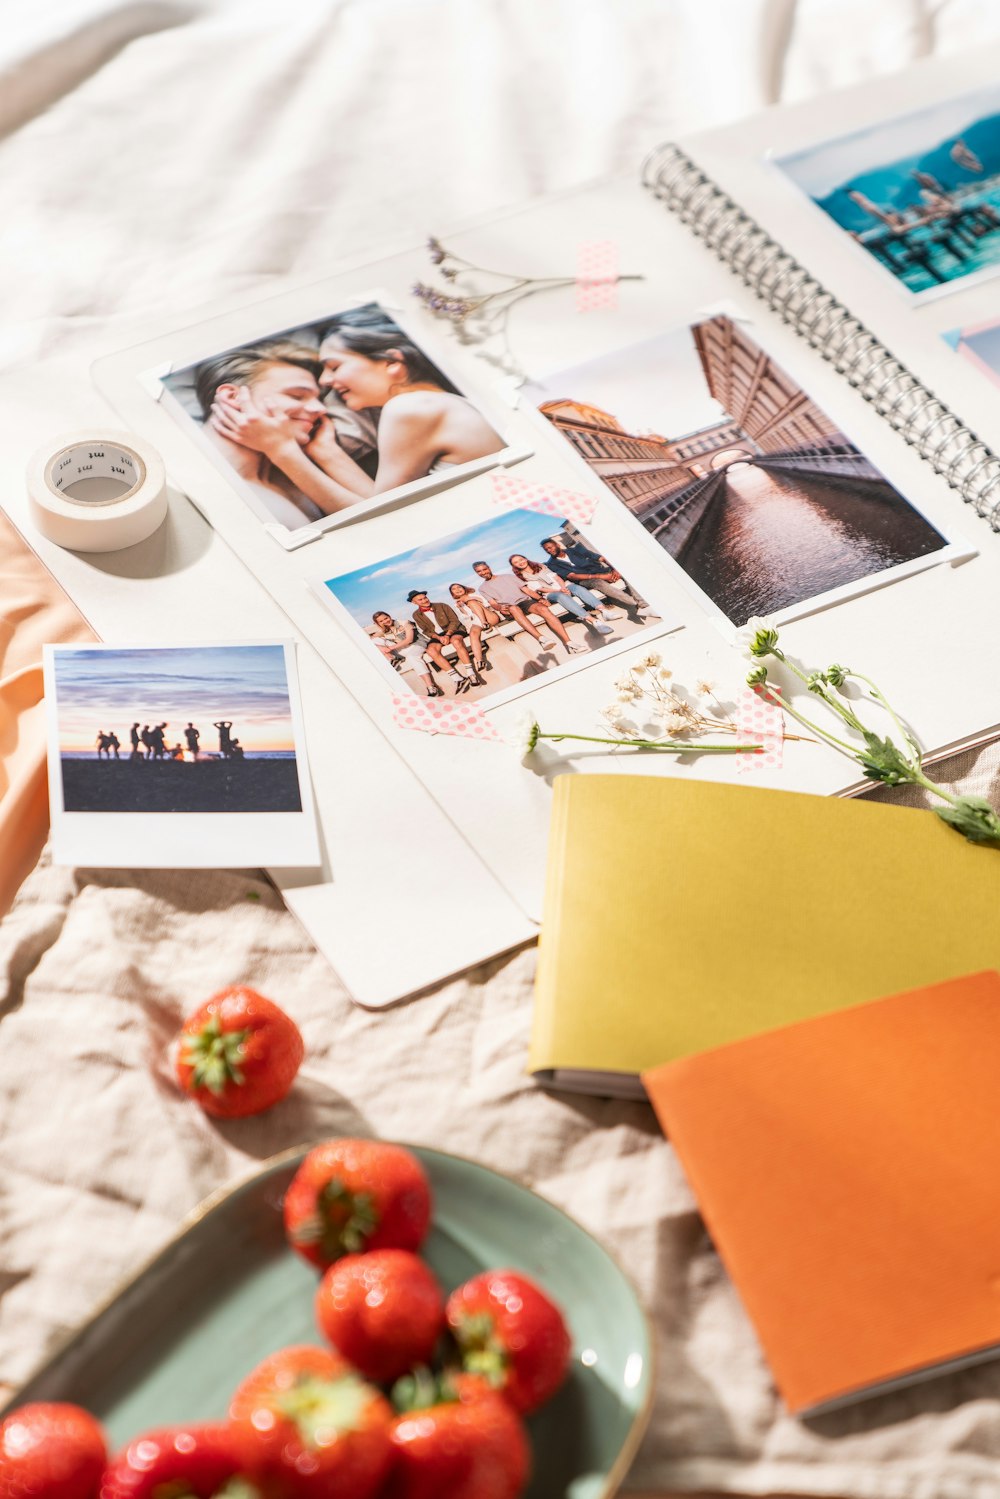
848,1169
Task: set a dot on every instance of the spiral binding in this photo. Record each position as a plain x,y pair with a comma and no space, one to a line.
940,437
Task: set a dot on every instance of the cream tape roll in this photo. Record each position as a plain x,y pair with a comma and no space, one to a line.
97,491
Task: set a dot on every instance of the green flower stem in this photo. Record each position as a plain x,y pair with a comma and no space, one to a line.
831,739
883,701
669,745
834,703
919,779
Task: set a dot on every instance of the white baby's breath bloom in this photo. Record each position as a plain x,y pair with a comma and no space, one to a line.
676,723
651,659
523,735
627,694
638,668
613,713
664,673
704,688
624,683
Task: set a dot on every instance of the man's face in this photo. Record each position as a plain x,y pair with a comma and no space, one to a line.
483,571
552,547
292,393
422,601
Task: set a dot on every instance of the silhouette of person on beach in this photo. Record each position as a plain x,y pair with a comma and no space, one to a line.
147,738
225,743
192,735
176,753
156,735
235,749
115,744
102,741
133,735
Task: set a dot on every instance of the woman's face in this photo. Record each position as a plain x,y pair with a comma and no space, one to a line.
292,393
358,380
517,561
383,621
457,590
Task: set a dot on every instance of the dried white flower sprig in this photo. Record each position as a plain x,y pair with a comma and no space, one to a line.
669,717
880,758
479,315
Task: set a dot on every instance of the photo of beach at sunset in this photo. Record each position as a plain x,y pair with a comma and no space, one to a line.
176,729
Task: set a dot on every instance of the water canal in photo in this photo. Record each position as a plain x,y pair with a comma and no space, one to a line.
770,540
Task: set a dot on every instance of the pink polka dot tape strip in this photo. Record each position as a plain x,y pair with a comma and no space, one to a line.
759,722
463,719
518,494
596,275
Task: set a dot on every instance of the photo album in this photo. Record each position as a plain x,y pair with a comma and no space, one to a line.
511,525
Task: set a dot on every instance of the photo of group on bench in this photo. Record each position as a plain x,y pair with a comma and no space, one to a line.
493,606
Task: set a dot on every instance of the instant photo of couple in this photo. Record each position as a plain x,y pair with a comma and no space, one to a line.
319,419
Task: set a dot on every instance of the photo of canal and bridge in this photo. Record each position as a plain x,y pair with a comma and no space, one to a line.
754,490
920,193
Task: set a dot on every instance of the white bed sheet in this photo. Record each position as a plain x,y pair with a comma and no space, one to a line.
160,154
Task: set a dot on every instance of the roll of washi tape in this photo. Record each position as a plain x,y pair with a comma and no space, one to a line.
97,491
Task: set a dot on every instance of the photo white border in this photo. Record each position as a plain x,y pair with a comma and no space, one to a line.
775,162
181,840
489,405
653,630
955,548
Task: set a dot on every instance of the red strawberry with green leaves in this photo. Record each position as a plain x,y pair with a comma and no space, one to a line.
307,1426
457,1439
198,1461
239,1054
383,1311
349,1196
509,1331
51,1450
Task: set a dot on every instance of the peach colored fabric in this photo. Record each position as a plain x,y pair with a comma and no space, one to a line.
34,611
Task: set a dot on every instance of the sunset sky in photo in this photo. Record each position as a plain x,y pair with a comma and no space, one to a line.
111,689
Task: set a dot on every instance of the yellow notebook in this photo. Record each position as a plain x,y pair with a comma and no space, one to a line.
681,914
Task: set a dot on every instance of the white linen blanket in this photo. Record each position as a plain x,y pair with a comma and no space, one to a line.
100,1156
157,154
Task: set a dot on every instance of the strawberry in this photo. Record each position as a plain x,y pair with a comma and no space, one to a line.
383,1311
508,1330
238,1054
196,1462
50,1451
352,1195
458,1441
306,1426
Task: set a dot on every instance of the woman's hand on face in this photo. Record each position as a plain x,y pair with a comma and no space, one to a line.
323,446
240,418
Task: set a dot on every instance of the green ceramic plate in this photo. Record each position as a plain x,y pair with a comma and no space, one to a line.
176,1339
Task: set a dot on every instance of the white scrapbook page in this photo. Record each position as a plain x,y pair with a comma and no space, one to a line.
441,614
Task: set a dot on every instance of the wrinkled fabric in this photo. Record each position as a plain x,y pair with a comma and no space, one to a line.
157,156
100,1156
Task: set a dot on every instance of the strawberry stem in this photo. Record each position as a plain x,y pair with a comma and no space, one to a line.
420,1389
216,1057
324,1407
343,1222
482,1351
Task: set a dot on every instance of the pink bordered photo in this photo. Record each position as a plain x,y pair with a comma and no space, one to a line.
489,612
